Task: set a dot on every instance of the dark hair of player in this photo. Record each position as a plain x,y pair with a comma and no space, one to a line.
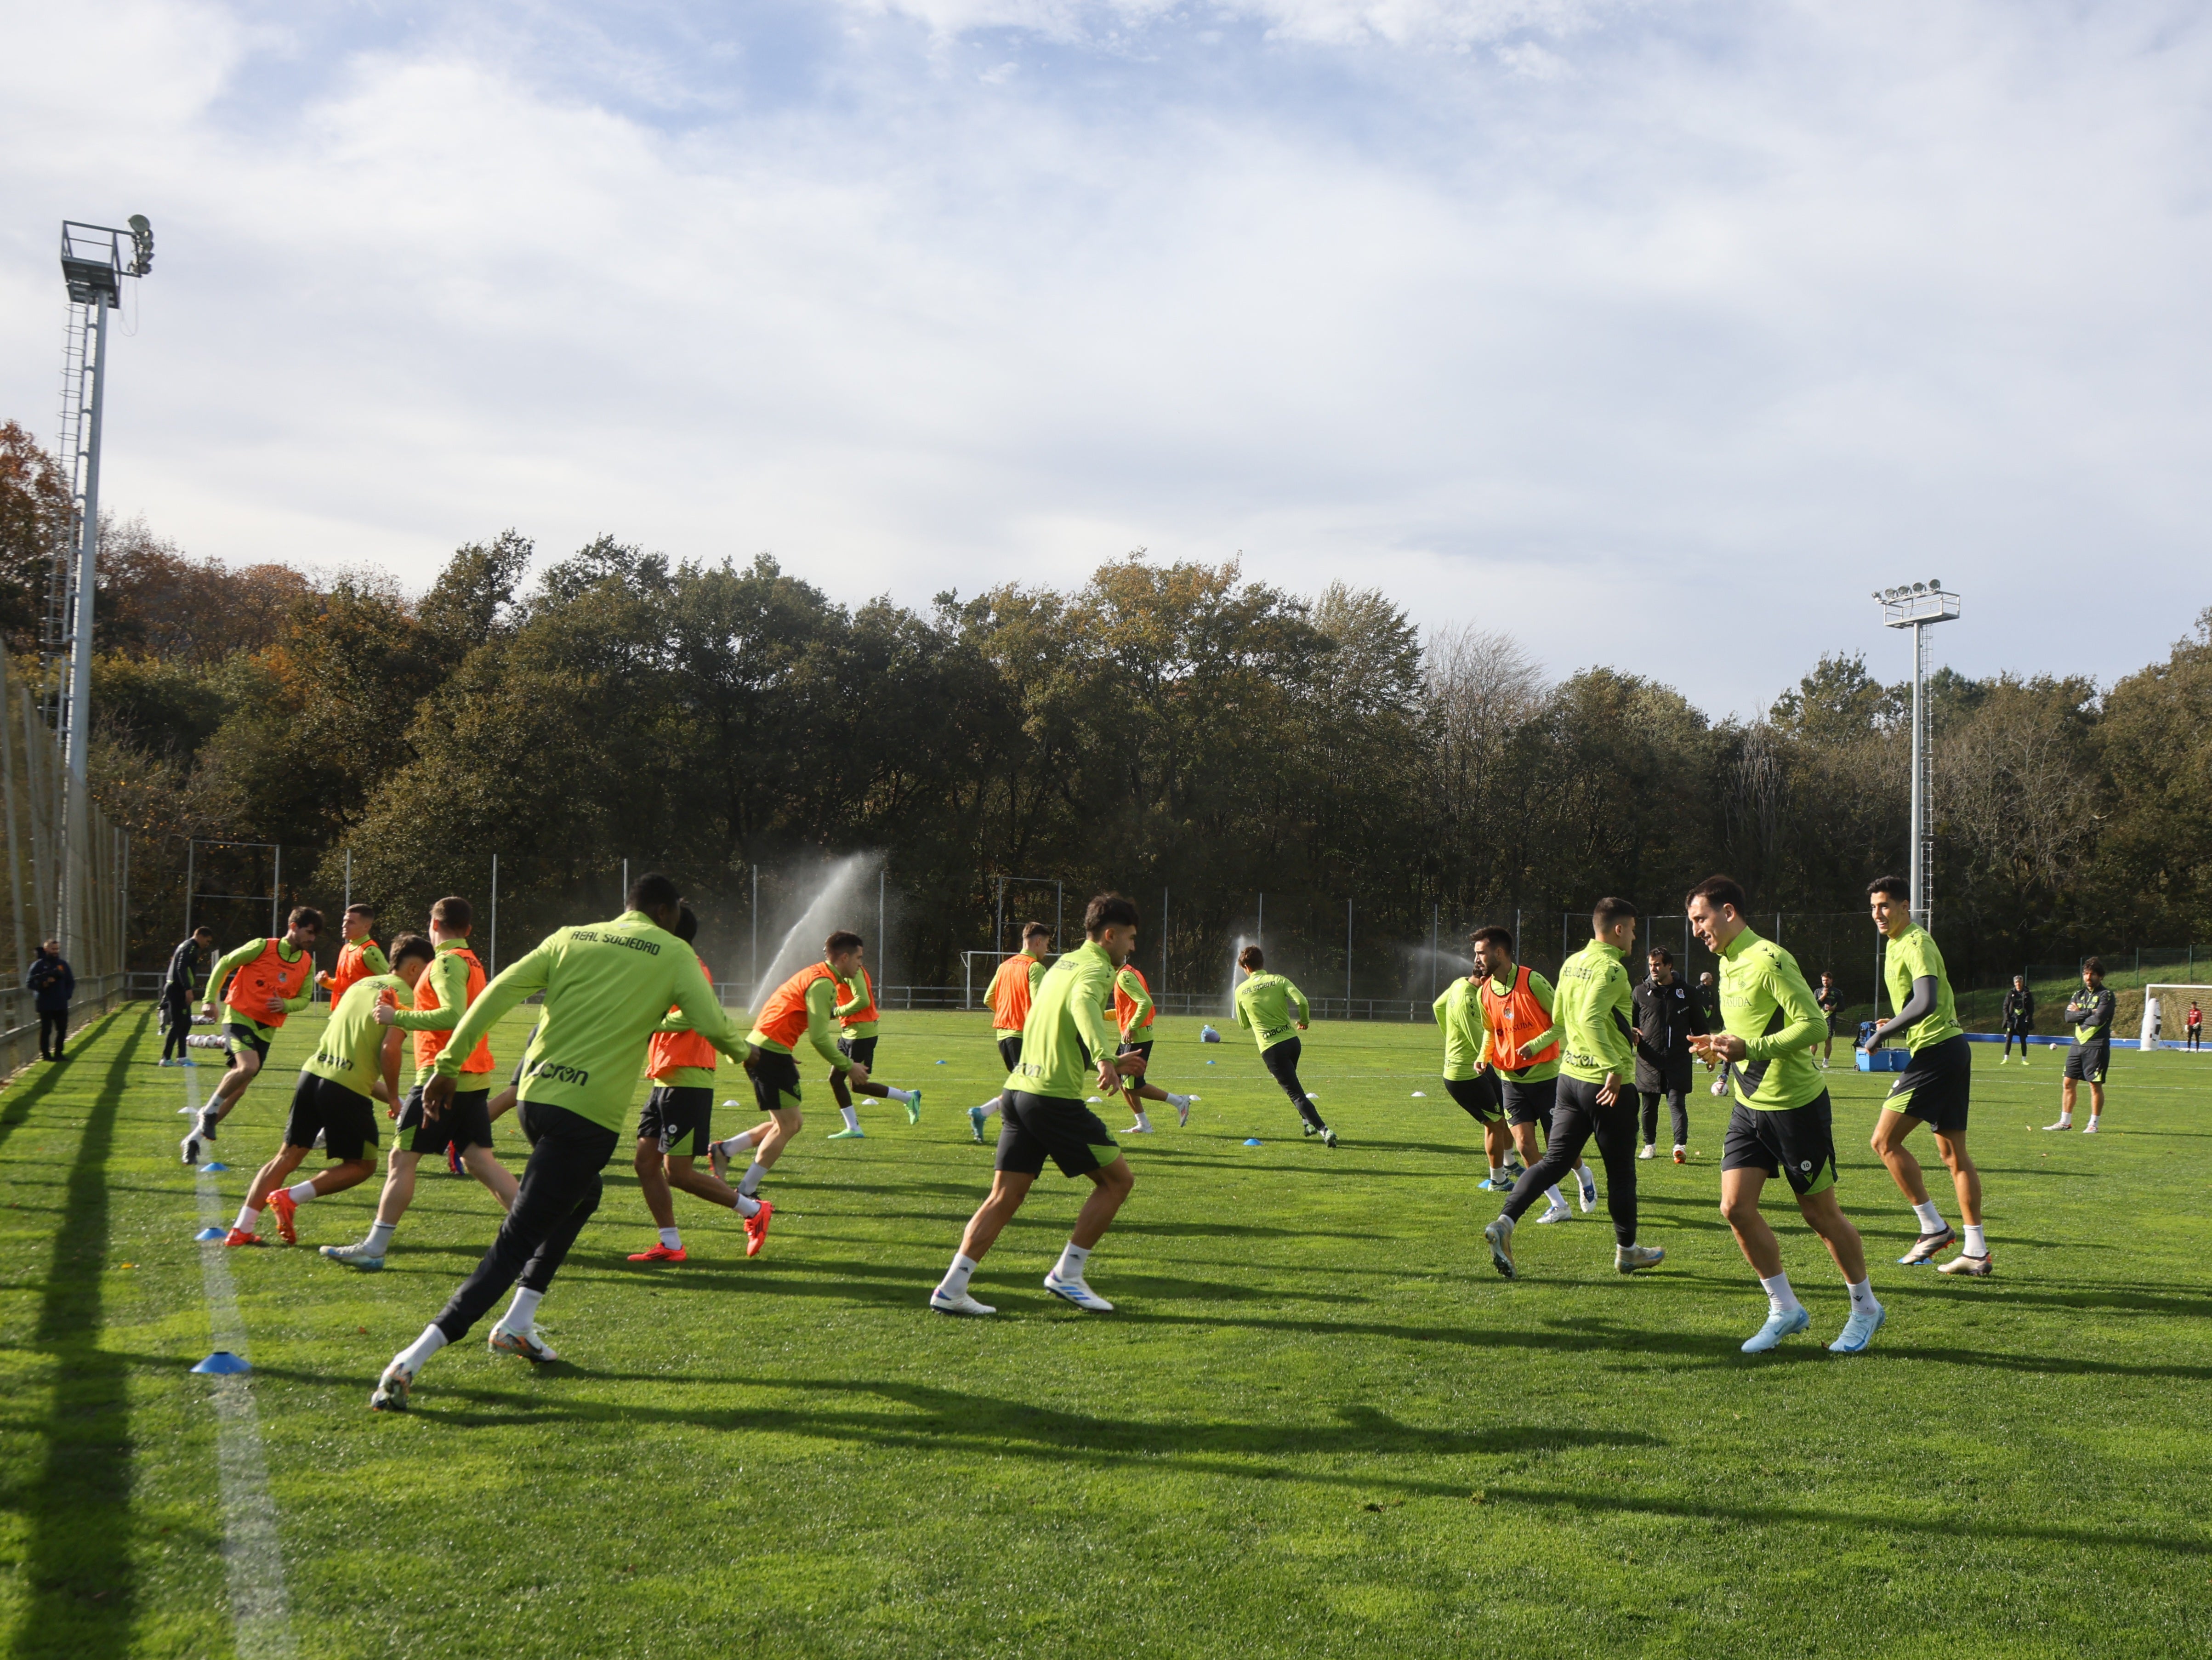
841,941
1492,935
362,908
1034,931
1895,886
2093,965
305,916
203,932
1108,910
687,924
1718,891
408,946
1609,911
455,913
1661,954
1251,959
653,891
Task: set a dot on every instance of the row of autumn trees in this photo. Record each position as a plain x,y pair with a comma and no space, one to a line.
1170,726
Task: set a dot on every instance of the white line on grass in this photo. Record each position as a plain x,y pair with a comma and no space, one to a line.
258,1606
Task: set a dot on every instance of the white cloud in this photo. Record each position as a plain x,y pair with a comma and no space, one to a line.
1736,309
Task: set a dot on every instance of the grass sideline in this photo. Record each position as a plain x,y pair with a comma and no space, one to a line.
1319,1426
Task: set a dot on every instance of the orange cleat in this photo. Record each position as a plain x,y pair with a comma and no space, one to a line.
284,1204
661,1254
1681,1157
243,1237
756,1228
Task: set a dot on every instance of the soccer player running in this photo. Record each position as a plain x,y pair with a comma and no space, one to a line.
259,985
177,987
1934,1087
1065,1038
1263,1008
858,1017
2018,1018
1782,1124
1013,986
1523,1043
1831,1000
1667,1015
1592,1009
454,981
1469,1078
1134,1014
332,1100
607,986
802,1006
2089,1012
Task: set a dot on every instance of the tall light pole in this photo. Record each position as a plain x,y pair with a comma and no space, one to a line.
1917,607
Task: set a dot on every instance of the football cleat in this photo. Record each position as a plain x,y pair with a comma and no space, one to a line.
1682,1154
1777,1327
957,1302
1076,1292
1589,1193
1648,1151
453,1165
1974,1267
1858,1331
1925,1247
1183,1105
529,1345
1555,1213
756,1228
356,1256
718,1160
1629,1258
286,1208
1499,1234
243,1237
661,1254
189,1148
855,1133
390,1393
1328,1138
913,1104
975,1121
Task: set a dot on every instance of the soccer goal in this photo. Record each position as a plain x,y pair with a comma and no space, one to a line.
2166,1013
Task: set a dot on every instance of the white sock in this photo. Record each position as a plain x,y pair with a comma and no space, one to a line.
898,1095
2065,1114
422,1348
1779,1297
1143,1122
1069,1268
1497,1173
1862,1297
522,1313
380,1236
249,1217
747,1206
852,1117
302,1192
750,1184
1587,1174
956,1277
1931,1219
991,1105
1977,1245
1559,1201
1178,1102
672,1237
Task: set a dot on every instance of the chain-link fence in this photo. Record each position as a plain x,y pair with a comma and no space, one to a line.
68,876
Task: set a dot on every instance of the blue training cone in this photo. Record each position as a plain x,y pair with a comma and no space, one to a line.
1251,1140
210,1233
222,1363
212,1166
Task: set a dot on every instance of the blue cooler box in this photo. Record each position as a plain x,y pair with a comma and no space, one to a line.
1884,1060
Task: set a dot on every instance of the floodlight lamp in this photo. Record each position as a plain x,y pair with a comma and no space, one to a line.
1877,593
1936,586
1920,587
141,244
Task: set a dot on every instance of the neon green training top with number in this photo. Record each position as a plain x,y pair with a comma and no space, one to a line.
352,1049
1765,1001
1263,1006
234,961
1068,1018
1594,1012
1459,1016
1913,956
607,986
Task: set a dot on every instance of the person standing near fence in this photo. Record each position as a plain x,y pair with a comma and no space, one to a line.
2018,1018
1667,1016
177,986
51,982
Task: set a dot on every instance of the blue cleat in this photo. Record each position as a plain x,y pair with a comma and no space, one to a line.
1858,1331
913,1106
1777,1327
975,1121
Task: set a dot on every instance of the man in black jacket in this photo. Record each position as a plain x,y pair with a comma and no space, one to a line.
177,989
1667,1012
51,983
2018,1018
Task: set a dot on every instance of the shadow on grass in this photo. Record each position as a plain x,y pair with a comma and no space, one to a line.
82,1582
25,1094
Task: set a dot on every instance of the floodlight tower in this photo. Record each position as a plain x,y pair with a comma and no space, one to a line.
92,267
1917,606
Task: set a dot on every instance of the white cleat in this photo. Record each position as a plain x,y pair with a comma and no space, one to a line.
390,1392
1629,1258
1181,1104
1590,1193
2062,1124
1076,1292
2089,1128
1777,1327
1650,1151
531,1345
1556,1213
957,1302
1858,1331
357,1256
189,1148
718,1160
1138,1129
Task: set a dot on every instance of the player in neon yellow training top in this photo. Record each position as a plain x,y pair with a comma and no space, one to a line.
1934,1087
1066,1036
1782,1124
1263,1008
1469,1078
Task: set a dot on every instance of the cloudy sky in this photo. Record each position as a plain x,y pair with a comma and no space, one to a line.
1657,334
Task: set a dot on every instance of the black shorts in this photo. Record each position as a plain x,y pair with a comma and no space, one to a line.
859,1050
1833,1026
1010,1050
1144,1049
1529,1104
245,1037
775,1079
2089,1062
677,1118
1035,1128
1934,1084
345,1120
1798,1142
1479,1095
466,1122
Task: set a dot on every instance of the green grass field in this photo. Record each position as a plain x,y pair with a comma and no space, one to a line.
1319,1424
